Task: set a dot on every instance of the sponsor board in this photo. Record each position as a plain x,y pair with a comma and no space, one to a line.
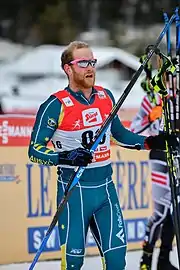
28,197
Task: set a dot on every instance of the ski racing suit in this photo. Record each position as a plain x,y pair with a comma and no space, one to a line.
68,119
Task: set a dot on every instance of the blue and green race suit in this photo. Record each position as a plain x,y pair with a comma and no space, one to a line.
94,203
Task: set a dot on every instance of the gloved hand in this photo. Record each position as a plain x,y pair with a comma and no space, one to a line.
76,157
159,142
155,113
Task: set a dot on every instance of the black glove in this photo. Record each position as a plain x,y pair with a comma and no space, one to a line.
76,157
159,142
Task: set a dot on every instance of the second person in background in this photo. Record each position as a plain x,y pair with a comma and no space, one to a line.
160,225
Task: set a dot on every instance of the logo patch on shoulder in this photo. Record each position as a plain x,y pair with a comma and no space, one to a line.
91,117
101,94
67,101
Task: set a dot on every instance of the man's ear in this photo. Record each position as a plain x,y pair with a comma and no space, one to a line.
67,69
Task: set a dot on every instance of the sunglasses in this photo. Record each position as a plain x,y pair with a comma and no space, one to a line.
83,63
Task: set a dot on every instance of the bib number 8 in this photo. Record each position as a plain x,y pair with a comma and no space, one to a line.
88,135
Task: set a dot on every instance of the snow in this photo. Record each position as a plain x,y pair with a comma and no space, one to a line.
133,258
45,59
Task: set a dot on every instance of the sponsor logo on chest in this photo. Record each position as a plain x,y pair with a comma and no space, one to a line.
91,117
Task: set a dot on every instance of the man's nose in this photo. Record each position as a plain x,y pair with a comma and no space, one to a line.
89,67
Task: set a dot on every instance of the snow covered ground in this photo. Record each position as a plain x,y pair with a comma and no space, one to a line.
91,263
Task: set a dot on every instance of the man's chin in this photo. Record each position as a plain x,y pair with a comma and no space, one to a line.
89,83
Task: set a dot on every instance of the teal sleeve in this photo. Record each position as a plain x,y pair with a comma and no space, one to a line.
122,136
44,127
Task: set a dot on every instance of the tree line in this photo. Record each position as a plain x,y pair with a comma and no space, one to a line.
59,21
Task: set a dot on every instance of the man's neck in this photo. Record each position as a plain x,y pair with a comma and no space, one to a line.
86,91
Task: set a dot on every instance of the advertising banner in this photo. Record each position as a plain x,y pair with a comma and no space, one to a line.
28,195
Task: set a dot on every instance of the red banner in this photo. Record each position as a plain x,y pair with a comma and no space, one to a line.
16,130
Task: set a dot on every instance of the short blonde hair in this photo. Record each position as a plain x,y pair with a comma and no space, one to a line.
67,55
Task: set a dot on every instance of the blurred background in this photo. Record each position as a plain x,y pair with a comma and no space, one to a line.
34,33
